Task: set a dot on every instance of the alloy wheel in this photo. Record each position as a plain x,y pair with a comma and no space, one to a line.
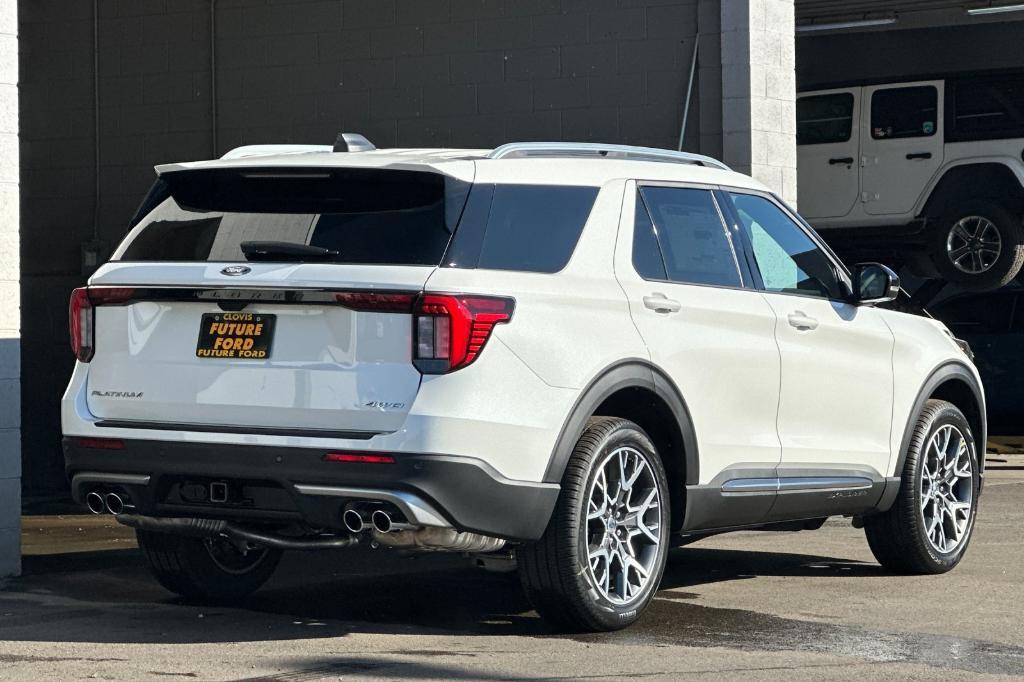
974,244
623,525
947,489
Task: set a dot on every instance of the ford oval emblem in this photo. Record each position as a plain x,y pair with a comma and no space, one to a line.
236,270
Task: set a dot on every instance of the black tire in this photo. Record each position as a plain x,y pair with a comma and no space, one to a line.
555,570
899,538
187,566
1011,256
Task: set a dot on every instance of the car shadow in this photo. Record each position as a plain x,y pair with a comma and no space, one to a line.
109,596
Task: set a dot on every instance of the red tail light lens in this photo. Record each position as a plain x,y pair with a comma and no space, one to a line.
358,458
451,331
82,315
80,322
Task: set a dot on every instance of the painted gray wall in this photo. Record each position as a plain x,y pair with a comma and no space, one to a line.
10,317
471,73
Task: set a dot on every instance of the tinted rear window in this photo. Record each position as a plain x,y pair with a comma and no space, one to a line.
987,107
824,119
367,216
529,228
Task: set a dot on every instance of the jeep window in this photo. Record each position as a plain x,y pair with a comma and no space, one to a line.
692,236
824,119
789,261
904,112
985,108
366,216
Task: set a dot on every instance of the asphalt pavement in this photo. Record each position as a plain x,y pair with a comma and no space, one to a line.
752,605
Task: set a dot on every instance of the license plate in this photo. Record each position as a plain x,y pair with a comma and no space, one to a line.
239,336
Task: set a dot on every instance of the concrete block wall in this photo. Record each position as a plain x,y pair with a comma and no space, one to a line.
10,276
471,73
759,91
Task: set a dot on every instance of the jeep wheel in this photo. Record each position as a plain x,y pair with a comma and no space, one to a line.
980,246
206,568
603,554
929,526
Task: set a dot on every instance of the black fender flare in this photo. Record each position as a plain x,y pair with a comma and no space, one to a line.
633,373
950,371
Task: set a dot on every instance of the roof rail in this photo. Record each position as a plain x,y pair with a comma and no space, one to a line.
521,150
269,149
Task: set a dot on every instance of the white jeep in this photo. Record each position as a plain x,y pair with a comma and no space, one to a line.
567,356
932,163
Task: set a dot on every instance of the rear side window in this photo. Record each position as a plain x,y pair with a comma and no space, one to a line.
824,119
528,228
694,244
355,215
987,108
904,112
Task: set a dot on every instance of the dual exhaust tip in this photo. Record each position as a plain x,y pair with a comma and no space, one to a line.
111,502
356,521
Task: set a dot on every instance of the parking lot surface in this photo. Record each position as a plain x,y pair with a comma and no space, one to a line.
747,605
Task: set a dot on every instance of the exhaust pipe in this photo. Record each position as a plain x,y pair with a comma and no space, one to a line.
94,501
381,521
353,521
115,505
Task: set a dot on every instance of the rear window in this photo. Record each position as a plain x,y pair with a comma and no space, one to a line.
358,216
987,107
529,228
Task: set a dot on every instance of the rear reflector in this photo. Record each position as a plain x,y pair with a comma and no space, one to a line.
100,443
360,458
451,331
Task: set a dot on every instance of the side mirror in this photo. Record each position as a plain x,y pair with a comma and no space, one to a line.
874,283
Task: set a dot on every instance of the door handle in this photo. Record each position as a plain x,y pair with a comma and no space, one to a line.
842,161
919,155
659,303
801,321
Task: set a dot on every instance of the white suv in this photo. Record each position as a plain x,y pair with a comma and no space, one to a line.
567,356
937,164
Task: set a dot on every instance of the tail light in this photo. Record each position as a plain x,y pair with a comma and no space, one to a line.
82,316
80,322
449,332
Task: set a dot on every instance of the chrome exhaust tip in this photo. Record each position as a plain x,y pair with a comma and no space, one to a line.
353,520
115,505
94,501
381,521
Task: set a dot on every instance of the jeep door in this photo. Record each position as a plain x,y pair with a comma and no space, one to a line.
901,145
828,150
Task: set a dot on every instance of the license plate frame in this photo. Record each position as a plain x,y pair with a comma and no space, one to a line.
235,336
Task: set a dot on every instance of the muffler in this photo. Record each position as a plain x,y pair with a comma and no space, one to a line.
434,539
204,528
94,501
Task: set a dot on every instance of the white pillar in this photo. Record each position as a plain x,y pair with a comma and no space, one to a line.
759,91
10,296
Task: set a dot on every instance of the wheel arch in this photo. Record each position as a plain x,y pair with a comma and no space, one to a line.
976,179
954,383
637,391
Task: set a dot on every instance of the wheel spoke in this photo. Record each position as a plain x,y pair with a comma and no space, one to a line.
946,489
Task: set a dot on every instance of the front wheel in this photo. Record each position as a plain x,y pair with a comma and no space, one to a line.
930,524
980,246
603,554
206,568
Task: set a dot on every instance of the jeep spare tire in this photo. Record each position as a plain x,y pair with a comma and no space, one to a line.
979,245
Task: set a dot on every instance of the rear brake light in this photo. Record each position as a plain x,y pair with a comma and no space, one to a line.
451,331
80,323
360,458
82,316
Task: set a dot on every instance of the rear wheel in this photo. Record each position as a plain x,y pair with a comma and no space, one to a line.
206,568
980,246
930,524
603,554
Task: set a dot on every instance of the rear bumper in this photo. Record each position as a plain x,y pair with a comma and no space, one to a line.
287,484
